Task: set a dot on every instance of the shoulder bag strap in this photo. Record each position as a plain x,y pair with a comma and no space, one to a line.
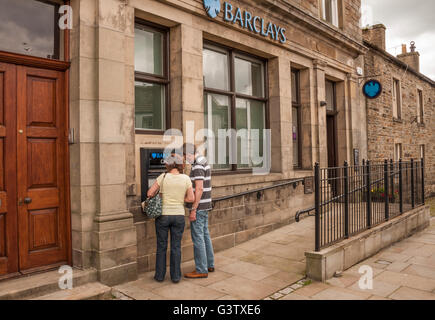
163,180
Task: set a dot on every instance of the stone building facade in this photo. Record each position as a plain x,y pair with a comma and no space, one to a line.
409,133
120,97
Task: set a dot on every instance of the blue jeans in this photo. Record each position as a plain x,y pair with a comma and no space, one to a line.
202,246
164,224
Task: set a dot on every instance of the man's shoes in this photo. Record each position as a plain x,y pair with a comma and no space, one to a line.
210,269
195,275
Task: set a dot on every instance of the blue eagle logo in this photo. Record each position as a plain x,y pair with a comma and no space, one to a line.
372,89
212,7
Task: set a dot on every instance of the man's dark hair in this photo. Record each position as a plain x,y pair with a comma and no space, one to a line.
189,148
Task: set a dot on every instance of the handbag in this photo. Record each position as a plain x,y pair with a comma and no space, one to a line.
153,206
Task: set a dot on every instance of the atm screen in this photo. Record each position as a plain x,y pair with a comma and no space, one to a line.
152,165
156,160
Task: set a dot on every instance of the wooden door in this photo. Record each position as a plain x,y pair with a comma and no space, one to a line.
331,140
41,167
8,202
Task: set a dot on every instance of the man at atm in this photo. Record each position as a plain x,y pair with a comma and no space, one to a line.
200,175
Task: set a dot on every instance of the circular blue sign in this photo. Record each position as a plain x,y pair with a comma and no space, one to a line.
372,89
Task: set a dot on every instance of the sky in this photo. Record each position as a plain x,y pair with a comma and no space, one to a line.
405,21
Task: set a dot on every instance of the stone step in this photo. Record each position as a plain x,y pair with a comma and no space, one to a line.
34,285
89,291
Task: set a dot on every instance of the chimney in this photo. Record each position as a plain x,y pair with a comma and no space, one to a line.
375,35
411,58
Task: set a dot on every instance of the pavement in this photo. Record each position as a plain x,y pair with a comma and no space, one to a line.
404,271
272,267
250,271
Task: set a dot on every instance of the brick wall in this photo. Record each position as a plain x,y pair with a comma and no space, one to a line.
383,131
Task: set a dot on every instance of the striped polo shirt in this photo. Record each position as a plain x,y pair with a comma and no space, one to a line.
201,171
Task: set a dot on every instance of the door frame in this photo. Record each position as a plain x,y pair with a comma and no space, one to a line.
64,66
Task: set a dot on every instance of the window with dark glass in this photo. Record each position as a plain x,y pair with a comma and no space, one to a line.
296,119
234,98
151,78
330,96
398,151
397,99
420,107
30,27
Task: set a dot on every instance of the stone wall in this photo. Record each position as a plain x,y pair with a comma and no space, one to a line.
383,131
231,222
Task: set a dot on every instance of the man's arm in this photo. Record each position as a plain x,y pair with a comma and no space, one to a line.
198,194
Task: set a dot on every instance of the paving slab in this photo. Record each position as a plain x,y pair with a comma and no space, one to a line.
249,270
344,281
407,280
406,293
336,293
380,288
186,290
422,271
295,296
243,288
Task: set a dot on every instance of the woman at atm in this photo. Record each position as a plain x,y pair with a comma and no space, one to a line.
175,189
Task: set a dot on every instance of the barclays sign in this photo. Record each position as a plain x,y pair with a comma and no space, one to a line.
246,20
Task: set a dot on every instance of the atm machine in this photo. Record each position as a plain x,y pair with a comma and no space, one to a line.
151,166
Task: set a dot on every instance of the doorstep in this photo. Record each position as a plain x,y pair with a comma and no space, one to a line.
42,284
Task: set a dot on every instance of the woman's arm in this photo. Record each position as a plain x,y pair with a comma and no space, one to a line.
190,196
153,190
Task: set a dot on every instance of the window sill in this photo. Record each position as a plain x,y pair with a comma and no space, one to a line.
397,120
421,125
153,132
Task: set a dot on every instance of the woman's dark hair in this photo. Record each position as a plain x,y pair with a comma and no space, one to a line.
174,162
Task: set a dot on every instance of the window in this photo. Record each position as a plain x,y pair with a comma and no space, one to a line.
234,98
422,151
420,107
397,100
151,79
30,28
397,151
329,10
296,119
331,101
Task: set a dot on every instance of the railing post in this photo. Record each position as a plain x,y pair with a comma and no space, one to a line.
346,200
412,184
386,191
369,196
317,205
422,181
392,176
400,186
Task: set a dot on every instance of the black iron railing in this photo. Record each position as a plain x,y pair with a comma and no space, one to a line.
351,199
